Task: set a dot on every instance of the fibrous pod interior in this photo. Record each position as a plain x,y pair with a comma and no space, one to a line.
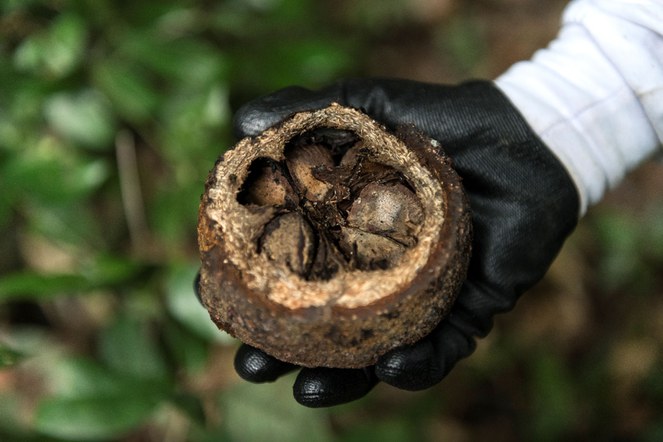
328,240
334,209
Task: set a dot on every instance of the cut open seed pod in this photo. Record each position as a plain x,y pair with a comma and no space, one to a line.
329,240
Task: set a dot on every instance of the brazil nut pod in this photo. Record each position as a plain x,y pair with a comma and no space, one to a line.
329,240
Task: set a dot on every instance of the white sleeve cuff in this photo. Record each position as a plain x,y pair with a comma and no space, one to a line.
595,95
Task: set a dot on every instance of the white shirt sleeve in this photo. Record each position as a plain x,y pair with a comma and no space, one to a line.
595,95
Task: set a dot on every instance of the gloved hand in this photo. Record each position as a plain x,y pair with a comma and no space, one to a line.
523,203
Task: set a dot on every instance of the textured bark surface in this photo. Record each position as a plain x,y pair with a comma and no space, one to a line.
328,240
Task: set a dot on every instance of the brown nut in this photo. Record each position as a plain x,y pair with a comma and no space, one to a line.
269,187
289,241
303,163
368,255
390,210
368,250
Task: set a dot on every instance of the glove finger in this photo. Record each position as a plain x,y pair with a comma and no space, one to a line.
379,98
427,362
325,387
254,365
263,113
414,367
196,287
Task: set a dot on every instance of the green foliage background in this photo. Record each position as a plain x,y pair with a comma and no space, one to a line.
112,114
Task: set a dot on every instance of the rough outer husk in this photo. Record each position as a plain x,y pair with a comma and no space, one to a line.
355,317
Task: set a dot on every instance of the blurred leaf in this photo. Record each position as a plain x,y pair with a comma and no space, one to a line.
73,223
13,425
617,232
174,212
184,306
232,18
52,176
622,247
195,134
30,284
652,385
269,412
194,119
377,16
178,21
251,18
91,402
189,350
21,111
128,89
103,272
287,12
83,117
398,430
110,270
55,52
215,434
192,61
308,62
95,417
73,377
654,433
217,110
128,346
5,213
29,341
653,233
192,405
462,38
553,400
9,357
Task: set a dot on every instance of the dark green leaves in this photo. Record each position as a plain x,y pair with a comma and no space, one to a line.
56,51
253,415
8,356
128,88
82,117
33,285
95,417
130,347
104,272
91,402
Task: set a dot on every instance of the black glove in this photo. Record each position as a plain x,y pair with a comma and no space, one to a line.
523,202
